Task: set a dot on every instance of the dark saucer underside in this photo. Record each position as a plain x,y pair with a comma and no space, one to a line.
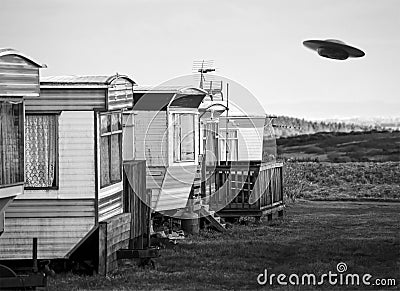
333,49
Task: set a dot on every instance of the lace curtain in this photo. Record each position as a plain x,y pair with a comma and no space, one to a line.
40,150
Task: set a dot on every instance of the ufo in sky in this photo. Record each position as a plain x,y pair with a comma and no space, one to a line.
333,49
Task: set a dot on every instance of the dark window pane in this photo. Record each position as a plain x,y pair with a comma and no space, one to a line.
11,143
104,161
187,137
177,139
105,125
116,122
21,142
183,137
115,157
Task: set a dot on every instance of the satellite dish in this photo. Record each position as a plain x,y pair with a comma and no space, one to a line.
333,49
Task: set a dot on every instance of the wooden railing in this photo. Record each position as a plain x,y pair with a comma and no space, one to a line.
241,187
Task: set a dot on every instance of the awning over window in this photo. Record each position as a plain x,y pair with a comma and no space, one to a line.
159,98
152,101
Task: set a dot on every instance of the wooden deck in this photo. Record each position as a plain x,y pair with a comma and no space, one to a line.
244,189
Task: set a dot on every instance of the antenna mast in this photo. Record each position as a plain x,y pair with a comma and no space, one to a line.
203,67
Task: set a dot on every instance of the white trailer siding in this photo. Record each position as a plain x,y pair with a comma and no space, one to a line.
250,144
58,224
76,156
250,131
67,99
110,201
151,137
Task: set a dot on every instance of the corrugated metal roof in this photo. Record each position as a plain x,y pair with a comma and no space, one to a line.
82,80
74,79
246,116
243,121
10,51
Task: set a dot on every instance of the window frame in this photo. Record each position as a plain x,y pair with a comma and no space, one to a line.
174,156
21,147
214,129
111,132
222,139
56,182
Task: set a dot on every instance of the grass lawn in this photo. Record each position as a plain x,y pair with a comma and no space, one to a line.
342,147
313,237
322,180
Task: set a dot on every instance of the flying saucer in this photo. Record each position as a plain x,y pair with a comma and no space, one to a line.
333,49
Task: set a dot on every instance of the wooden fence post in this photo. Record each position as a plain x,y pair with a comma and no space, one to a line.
102,268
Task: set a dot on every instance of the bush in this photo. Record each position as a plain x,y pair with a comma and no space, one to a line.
333,157
323,179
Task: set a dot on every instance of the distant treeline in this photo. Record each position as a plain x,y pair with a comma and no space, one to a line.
285,126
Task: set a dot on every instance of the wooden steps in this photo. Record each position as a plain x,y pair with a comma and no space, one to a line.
210,216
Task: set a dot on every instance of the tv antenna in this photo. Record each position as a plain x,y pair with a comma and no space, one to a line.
203,67
212,86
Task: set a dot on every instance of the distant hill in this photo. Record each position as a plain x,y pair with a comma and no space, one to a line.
376,146
285,126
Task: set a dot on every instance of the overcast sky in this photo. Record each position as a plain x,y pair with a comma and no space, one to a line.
258,44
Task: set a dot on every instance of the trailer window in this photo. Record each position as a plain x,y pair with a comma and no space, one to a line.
11,142
184,137
210,142
110,148
233,144
41,138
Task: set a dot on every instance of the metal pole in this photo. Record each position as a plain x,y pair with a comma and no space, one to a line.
34,255
227,121
201,75
148,244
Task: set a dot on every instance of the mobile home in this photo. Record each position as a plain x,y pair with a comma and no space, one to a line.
244,178
19,79
167,136
244,136
74,168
